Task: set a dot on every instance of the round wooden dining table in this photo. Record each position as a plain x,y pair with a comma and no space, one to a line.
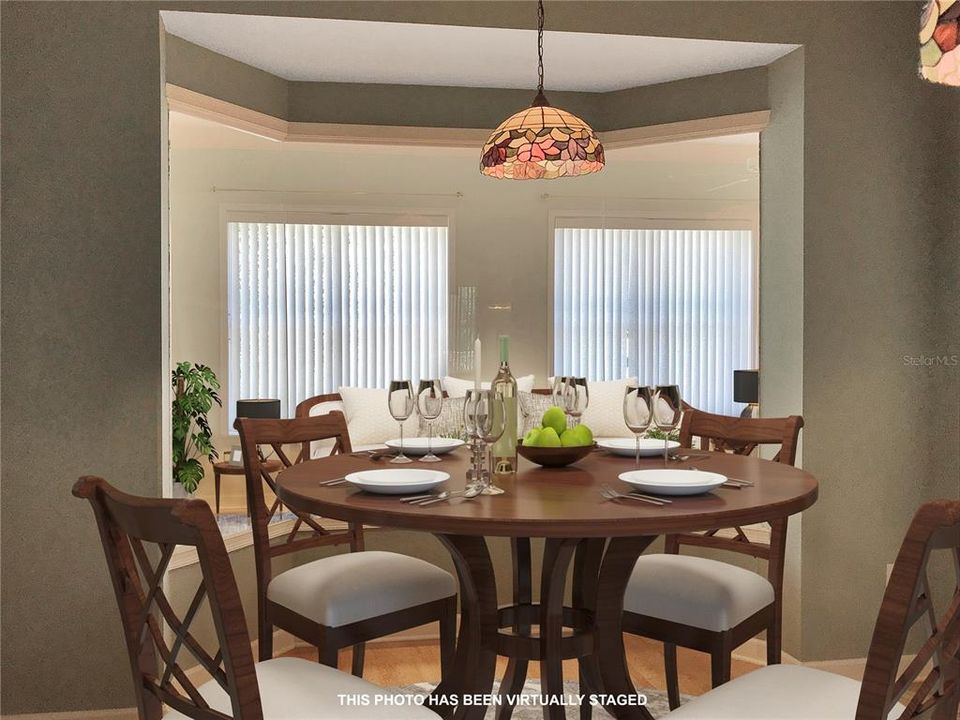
601,538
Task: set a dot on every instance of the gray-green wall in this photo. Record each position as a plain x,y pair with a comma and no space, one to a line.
81,294
81,360
204,71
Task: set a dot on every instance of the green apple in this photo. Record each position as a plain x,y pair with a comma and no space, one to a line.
586,434
571,438
530,438
548,438
556,419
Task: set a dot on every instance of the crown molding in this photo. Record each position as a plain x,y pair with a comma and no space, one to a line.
196,104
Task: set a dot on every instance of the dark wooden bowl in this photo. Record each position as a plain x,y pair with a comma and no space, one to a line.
554,456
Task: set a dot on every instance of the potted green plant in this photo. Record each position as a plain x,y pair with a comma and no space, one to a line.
195,390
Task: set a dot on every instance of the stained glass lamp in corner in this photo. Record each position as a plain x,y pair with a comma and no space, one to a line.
939,44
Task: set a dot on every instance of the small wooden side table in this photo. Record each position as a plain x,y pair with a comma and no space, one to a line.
231,468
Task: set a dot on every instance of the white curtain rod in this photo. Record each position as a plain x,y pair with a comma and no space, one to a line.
335,192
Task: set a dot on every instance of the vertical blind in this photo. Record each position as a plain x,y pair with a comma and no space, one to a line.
665,306
312,307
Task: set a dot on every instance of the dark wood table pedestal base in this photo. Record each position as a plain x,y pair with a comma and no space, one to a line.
588,630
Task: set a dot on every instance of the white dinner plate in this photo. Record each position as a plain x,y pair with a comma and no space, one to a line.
399,481
628,446
418,445
673,482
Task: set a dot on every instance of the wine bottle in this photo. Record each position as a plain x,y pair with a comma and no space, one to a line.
505,386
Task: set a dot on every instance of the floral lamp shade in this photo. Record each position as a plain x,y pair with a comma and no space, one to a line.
541,142
939,50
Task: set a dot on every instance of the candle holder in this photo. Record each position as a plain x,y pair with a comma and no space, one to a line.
478,472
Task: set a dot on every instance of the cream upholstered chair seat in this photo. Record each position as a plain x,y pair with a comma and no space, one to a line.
779,692
695,591
346,588
297,689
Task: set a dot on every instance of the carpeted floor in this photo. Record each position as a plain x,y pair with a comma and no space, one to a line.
656,701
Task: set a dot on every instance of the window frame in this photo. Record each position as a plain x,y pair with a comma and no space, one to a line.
320,214
728,215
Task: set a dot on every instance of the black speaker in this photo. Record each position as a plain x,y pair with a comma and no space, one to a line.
746,389
260,408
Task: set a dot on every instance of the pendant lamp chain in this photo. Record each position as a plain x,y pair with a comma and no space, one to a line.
540,46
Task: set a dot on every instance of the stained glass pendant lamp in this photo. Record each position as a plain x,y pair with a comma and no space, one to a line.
542,141
939,42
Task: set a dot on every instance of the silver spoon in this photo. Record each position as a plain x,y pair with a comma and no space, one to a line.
417,498
467,493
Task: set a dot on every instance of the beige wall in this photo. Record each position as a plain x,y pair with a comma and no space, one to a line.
81,285
500,232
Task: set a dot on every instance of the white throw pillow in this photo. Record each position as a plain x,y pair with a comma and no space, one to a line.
449,424
604,414
321,448
457,387
368,418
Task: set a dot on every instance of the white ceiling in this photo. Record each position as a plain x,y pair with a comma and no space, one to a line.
323,50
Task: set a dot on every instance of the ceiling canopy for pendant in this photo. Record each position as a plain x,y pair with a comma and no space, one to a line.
541,141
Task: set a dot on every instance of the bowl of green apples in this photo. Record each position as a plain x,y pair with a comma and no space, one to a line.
553,444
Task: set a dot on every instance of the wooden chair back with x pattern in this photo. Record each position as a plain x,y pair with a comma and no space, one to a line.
726,433
139,536
742,436
934,693
307,531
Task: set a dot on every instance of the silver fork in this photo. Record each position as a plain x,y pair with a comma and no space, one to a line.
610,494
637,493
467,493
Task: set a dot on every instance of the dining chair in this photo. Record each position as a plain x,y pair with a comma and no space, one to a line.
928,686
710,605
139,536
341,600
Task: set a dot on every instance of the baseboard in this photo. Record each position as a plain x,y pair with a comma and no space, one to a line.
851,667
854,667
754,651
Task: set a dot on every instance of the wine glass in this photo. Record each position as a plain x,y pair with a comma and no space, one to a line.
558,390
400,401
576,397
469,412
490,421
429,405
667,412
638,411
